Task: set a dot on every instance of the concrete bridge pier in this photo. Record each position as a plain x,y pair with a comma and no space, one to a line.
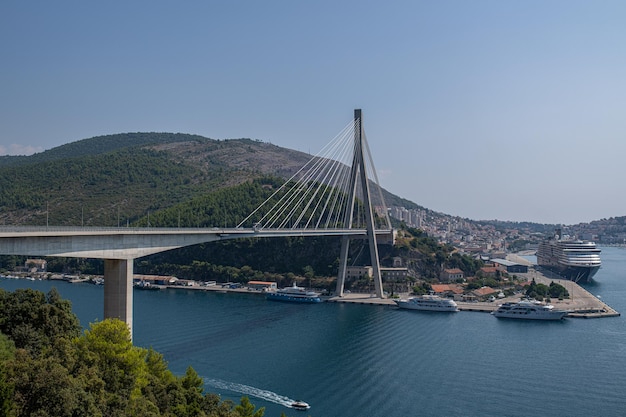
118,290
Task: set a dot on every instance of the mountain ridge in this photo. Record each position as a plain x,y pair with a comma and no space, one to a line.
216,163
97,165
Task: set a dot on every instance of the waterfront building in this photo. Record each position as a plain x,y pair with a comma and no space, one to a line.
448,290
358,272
155,279
394,274
483,292
488,270
262,285
185,283
451,274
36,265
511,267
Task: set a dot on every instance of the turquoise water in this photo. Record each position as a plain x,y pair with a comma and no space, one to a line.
357,360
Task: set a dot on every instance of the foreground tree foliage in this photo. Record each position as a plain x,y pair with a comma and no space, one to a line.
47,368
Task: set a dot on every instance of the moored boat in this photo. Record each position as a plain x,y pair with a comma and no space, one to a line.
529,310
428,303
145,285
294,294
573,259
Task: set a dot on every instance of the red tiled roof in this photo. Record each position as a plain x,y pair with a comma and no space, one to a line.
441,288
484,291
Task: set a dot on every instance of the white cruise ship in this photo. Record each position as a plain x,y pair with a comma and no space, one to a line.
529,310
576,260
428,303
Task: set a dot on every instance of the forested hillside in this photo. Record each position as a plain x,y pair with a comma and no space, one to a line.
115,179
172,180
97,146
111,180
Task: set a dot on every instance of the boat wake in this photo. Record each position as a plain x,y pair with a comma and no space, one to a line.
250,391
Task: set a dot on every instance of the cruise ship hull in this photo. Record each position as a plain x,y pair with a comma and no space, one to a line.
576,260
576,274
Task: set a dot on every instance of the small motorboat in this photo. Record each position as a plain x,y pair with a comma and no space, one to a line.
300,405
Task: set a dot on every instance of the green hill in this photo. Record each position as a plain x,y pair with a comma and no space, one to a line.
108,180
116,179
98,145
169,180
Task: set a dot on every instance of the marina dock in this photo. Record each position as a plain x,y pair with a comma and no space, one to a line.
581,304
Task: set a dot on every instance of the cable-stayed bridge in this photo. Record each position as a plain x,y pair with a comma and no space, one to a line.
336,193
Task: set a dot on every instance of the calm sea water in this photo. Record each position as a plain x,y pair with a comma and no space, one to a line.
357,360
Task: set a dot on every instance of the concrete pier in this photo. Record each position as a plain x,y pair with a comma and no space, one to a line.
359,298
581,304
118,290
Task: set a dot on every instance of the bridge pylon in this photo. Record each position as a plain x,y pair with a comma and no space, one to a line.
358,171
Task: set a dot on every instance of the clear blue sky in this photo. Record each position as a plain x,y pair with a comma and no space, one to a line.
510,110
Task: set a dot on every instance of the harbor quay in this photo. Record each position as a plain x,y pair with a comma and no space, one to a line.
581,304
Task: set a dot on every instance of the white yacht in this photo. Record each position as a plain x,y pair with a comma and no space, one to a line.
294,294
529,310
428,303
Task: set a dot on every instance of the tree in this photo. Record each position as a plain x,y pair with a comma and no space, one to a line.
43,387
7,351
537,291
97,374
193,386
308,271
558,291
246,409
122,367
33,320
7,348
465,263
423,288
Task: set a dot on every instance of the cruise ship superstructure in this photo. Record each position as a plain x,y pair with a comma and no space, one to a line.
576,260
